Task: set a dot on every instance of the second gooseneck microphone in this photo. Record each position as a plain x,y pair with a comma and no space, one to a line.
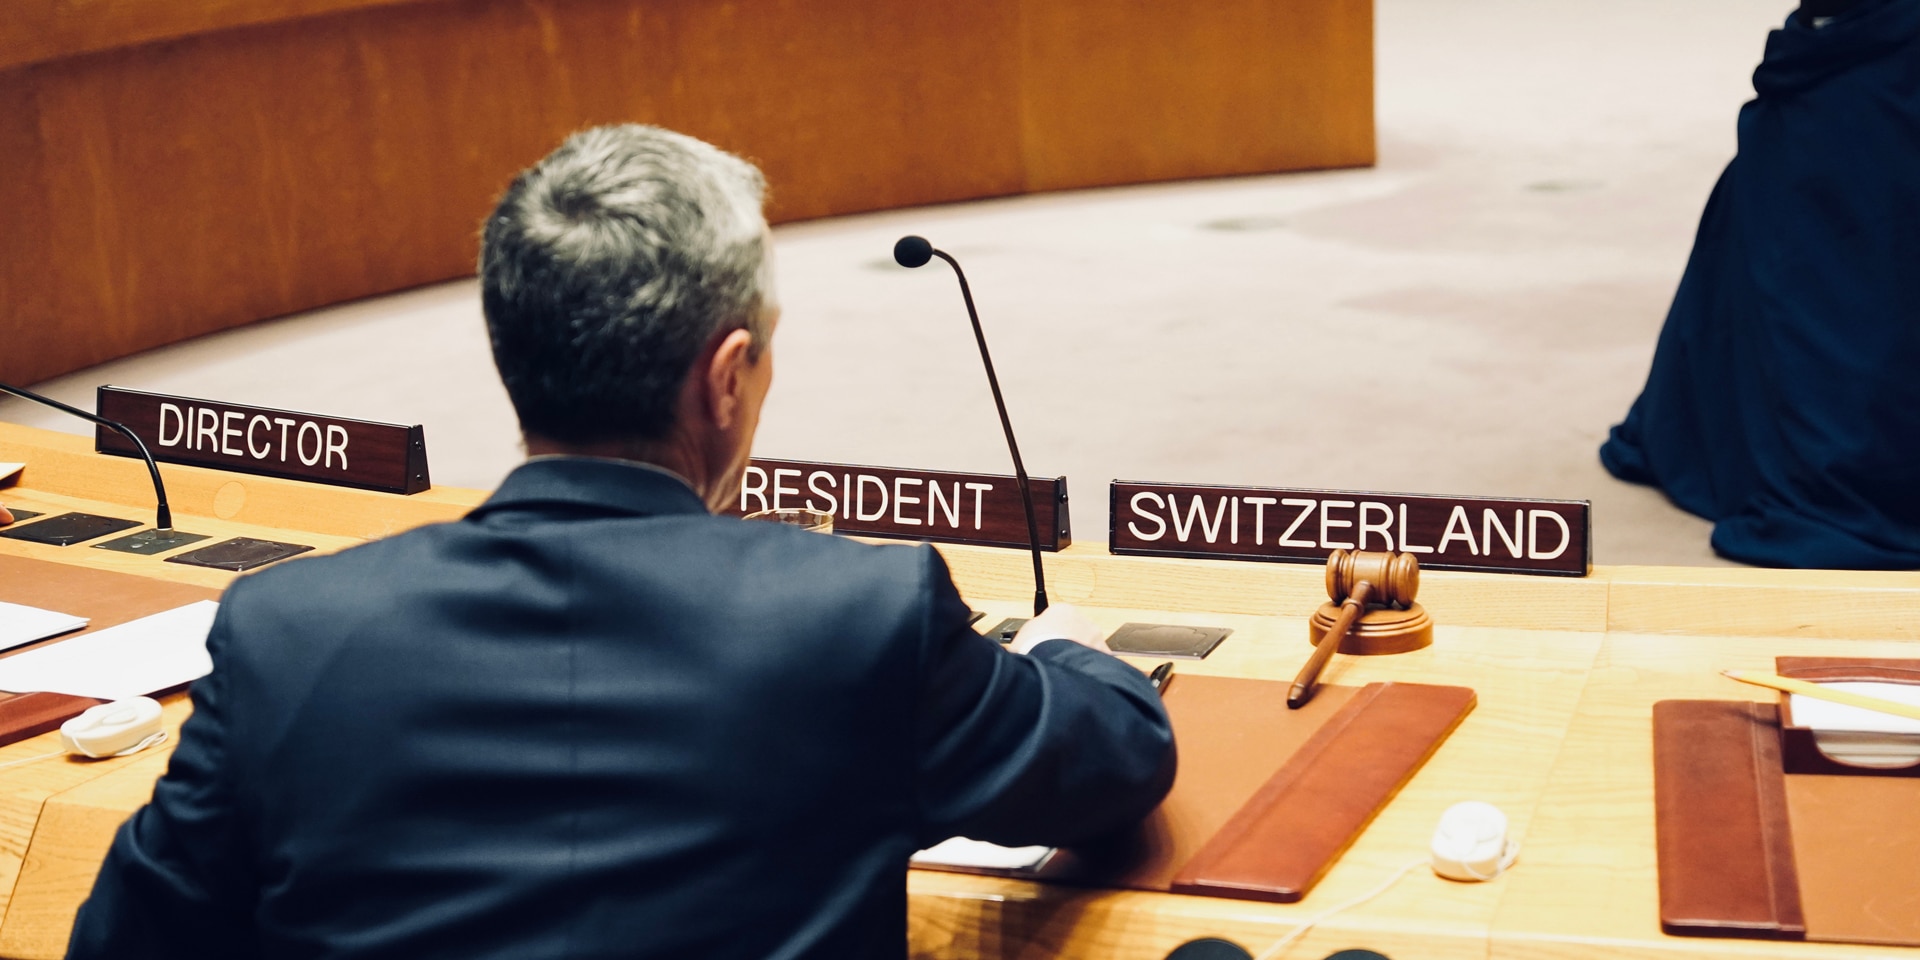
163,514
915,252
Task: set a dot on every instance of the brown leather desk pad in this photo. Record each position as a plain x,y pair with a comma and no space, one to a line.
1266,798
1748,850
105,598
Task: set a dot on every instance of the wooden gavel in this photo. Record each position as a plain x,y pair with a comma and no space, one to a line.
1389,579
1356,580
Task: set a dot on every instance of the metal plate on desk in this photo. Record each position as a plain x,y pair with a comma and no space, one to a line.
1004,630
240,553
68,529
1166,640
150,542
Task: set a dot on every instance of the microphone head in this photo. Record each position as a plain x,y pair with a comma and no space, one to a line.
912,251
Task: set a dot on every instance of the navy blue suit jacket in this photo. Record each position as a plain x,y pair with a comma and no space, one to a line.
592,720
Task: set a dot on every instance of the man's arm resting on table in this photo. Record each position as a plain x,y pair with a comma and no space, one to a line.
175,882
1056,747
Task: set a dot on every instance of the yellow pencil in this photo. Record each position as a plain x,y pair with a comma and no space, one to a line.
1819,692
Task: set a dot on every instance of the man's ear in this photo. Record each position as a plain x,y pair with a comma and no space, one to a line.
726,381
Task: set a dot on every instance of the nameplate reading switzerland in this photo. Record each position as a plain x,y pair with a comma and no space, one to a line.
978,508
272,443
1551,537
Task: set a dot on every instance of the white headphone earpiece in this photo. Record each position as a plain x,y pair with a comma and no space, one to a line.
114,729
1471,842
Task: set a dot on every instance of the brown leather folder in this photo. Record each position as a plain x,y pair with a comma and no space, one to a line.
24,715
1720,822
1266,798
1748,850
1825,669
105,599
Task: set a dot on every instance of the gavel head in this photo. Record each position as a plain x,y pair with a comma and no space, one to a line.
1395,576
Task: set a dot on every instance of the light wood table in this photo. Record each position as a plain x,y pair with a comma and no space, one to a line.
1566,671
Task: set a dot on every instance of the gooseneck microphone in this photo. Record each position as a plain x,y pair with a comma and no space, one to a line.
915,252
163,519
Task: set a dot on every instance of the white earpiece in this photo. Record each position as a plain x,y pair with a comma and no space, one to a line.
1471,842
114,729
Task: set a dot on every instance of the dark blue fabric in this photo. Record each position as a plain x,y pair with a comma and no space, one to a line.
1784,399
593,721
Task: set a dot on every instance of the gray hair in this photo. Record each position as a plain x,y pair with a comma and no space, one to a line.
608,266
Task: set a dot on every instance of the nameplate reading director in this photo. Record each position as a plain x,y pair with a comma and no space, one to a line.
592,719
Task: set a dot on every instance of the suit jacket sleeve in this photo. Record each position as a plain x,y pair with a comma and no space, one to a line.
175,882
1056,747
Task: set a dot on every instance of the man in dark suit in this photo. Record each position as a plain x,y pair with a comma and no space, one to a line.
593,719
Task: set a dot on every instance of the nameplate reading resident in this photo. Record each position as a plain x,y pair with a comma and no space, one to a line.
271,443
1552,537
978,508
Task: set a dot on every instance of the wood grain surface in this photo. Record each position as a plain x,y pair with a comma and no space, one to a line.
1560,740
1587,887
177,167
75,828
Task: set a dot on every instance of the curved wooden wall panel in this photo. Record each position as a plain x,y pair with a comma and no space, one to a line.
177,168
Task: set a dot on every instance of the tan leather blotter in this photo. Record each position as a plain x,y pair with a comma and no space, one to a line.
1232,735
1299,784
105,599
1856,841
1720,822
1799,753
1283,839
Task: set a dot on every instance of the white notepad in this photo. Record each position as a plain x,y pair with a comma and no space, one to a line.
20,624
1857,735
131,660
980,855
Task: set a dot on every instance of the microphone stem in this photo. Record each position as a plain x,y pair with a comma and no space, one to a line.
1019,469
163,519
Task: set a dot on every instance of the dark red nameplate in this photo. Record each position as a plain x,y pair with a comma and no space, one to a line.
1552,537
981,508
272,443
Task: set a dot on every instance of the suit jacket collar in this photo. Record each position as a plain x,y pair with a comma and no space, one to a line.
612,486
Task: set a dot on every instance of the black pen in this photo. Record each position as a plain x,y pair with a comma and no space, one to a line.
1160,675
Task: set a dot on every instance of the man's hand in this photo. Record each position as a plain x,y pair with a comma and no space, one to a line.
5,517
1061,621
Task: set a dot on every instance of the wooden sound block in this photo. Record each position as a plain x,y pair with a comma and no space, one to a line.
1380,630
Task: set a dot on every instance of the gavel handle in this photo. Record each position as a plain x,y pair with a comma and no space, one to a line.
1303,685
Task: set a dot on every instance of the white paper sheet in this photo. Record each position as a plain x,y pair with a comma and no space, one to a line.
1859,736
978,854
131,660
1823,715
20,624
7,470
